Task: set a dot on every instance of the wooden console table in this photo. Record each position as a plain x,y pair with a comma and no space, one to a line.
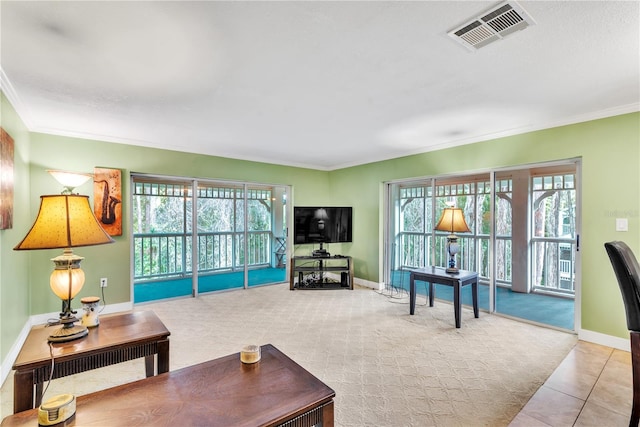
225,392
438,275
317,266
118,338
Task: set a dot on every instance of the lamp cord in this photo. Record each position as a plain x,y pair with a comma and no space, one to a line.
404,293
104,303
50,372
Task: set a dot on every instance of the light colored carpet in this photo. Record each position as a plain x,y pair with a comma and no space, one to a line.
387,368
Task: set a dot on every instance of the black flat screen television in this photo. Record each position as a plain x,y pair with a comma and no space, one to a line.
318,224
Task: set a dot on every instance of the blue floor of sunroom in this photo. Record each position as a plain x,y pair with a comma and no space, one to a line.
546,309
172,288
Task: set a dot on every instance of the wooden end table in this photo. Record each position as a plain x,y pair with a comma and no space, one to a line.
223,392
438,275
118,338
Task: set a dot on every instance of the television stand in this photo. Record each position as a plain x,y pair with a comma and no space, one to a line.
321,272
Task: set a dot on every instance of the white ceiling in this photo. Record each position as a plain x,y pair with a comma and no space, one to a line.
311,83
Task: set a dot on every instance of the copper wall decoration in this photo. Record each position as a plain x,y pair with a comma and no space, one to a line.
107,199
6,180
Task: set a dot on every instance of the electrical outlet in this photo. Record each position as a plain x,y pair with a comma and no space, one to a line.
103,282
622,224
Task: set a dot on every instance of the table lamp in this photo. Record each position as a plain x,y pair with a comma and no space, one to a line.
65,221
452,220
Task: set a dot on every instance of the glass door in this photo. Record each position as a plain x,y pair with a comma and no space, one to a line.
265,253
535,244
161,241
193,237
409,233
241,233
522,239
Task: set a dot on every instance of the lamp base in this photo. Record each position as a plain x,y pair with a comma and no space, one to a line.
68,332
452,270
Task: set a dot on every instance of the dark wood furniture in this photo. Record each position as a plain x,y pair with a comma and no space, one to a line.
438,275
310,272
275,391
118,338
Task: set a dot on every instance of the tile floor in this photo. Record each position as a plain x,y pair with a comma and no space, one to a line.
591,387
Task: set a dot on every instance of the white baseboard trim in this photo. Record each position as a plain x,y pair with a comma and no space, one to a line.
8,362
368,284
40,319
606,340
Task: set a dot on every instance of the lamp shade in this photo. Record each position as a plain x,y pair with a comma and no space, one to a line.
452,220
64,221
70,180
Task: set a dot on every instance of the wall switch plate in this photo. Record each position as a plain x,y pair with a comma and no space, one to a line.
622,224
103,282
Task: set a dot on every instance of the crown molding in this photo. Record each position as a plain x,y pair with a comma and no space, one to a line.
7,88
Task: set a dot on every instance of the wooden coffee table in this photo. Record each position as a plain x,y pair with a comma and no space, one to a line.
223,392
118,338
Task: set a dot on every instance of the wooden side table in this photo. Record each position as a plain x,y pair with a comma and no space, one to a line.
223,392
438,275
119,338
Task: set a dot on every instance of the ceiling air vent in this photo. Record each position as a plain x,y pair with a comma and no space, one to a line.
492,25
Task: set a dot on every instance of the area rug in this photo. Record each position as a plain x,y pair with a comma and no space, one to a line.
387,368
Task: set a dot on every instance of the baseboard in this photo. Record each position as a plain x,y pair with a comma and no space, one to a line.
368,284
8,362
606,340
39,319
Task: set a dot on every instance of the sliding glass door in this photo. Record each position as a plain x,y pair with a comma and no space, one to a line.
409,213
413,209
522,239
232,235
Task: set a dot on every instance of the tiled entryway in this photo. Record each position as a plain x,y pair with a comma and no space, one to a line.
591,387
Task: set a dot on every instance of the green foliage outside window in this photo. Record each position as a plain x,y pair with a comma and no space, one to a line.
162,224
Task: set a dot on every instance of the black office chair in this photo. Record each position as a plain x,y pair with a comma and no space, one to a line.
625,265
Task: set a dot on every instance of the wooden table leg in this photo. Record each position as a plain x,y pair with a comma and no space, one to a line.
162,360
163,356
327,415
23,391
457,302
412,294
432,292
474,292
149,365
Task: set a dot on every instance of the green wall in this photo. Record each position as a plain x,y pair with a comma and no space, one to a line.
14,268
609,149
